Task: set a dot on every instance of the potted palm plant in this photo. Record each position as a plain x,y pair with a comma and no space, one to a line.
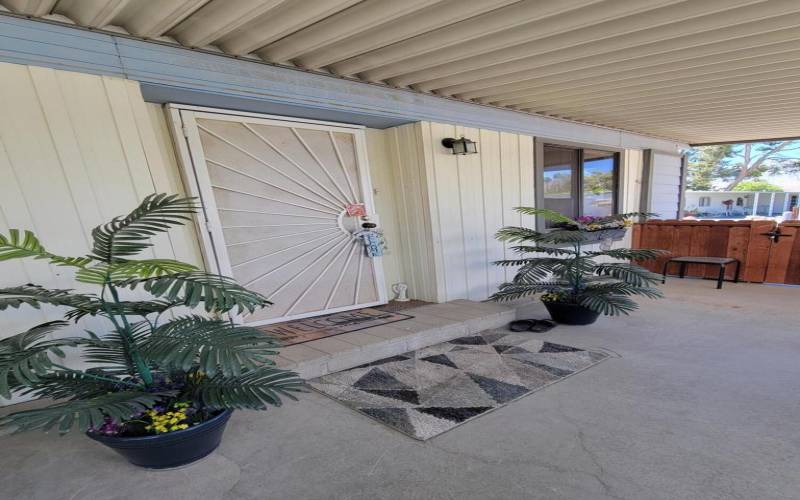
157,386
576,287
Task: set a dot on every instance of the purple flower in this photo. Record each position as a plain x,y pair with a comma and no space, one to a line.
109,427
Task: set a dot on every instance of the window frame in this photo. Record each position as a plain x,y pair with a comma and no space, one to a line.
577,181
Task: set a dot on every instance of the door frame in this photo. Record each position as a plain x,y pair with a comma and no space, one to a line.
196,182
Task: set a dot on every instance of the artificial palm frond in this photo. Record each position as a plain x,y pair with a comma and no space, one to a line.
542,249
130,269
217,293
128,235
561,237
252,390
19,245
514,291
608,304
628,272
211,344
546,213
35,296
113,350
69,384
148,268
26,356
16,245
539,269
631,215
514,234
629,253
621,288
85,412
125,307
513,262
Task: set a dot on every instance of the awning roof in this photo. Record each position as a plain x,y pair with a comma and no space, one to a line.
697,71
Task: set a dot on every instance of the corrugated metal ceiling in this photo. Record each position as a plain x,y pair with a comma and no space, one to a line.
691,70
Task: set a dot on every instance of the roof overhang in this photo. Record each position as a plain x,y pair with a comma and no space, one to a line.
707,71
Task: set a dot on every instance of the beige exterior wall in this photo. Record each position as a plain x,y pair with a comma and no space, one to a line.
449,207
665,184
79,149
385,195
75,151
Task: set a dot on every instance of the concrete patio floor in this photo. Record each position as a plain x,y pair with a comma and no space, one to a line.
701,404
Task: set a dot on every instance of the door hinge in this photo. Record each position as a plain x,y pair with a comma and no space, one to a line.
209,227
185,130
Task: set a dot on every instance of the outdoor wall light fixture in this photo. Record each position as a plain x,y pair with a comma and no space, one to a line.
461,146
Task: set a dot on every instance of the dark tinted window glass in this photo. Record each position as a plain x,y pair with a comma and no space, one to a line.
560,168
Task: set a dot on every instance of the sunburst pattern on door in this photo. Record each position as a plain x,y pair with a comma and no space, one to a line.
281,193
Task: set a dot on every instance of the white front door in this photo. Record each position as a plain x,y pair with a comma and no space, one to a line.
275,195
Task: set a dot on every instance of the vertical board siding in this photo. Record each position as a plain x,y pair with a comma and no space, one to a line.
79,150
489,150
406,156
468,199
470,185
446,190
385,194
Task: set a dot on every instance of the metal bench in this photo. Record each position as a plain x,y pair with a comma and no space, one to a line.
722,262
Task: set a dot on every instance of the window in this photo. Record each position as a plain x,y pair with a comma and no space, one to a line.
740,202
580,181
705,201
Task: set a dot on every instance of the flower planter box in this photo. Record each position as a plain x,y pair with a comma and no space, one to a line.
615,234
172,449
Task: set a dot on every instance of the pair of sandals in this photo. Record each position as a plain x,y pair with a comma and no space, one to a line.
531,325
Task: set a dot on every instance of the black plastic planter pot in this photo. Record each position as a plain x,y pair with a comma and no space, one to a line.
172,449
571,314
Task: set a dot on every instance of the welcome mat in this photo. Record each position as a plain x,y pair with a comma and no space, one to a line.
306,330
426,392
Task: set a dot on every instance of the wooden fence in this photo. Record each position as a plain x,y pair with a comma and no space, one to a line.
763,256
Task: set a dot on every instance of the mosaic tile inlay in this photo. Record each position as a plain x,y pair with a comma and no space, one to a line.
429,391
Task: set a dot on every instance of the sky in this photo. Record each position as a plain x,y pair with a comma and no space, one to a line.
789,182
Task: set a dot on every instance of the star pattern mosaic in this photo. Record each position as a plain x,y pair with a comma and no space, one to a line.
429,391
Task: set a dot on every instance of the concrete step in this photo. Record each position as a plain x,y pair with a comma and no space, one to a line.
430,325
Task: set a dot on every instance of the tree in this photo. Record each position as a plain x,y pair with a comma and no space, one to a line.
599,182
735,163
703,164
757,185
